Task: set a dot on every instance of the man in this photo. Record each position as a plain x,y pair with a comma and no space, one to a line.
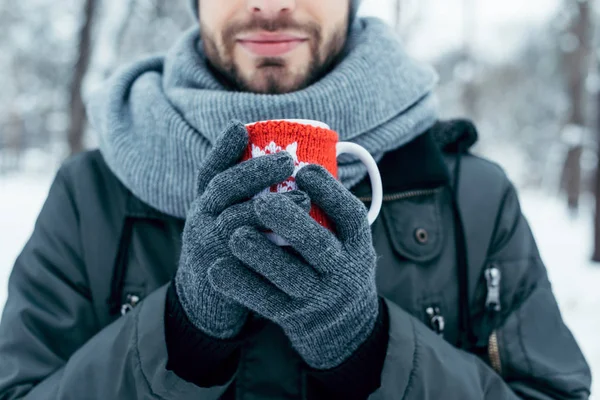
147,275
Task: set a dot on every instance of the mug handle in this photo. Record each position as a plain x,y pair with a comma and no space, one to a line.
376,185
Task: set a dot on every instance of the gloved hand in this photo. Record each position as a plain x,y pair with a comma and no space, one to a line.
325,299
221,207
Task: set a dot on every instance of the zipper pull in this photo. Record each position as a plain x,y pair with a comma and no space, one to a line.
493,277
436,320
132,301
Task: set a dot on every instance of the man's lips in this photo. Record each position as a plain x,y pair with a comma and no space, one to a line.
270,45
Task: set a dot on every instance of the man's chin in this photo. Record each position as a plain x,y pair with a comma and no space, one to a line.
273,80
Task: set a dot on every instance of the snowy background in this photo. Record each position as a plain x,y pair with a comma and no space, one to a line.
508,65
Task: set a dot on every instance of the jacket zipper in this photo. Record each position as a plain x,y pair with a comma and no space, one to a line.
494,353
404,195
493,305
119,269
437,321
492,278
130,303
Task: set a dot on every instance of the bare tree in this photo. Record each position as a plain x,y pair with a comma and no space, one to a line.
397,14
408,14
124,25
576,64
596,254
77,109
468,75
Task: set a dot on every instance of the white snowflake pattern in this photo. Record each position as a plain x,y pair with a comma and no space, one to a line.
272,148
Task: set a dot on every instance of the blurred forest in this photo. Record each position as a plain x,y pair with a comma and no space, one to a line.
536,109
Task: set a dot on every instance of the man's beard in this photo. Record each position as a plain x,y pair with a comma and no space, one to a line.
276,78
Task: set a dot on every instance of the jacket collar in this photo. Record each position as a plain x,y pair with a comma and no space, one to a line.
137,209
420,164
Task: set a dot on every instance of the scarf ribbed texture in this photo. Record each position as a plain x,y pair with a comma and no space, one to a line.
158,118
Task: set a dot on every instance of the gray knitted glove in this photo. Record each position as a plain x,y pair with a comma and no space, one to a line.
221,208
325,299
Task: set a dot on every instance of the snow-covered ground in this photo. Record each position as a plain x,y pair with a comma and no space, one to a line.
565,244
566,247
21,198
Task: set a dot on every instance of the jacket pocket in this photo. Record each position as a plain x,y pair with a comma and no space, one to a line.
415,226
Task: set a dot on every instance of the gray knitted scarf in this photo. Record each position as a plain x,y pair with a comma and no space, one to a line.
158,118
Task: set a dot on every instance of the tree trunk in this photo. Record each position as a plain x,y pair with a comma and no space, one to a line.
469,86
572,176
131,5
576,69
77,109
596,255
397,15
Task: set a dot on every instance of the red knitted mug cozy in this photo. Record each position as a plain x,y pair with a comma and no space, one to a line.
305,143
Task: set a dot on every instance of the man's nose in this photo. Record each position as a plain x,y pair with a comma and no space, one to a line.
270,9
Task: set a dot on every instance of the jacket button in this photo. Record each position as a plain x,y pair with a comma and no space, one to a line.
422,236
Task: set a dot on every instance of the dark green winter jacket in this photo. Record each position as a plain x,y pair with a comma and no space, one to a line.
470,310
